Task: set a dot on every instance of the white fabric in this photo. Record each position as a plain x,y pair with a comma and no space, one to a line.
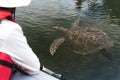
39,76
14,3
14,43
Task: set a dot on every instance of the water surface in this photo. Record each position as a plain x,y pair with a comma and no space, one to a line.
38,19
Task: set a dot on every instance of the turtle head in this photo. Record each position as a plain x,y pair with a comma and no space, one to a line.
56,43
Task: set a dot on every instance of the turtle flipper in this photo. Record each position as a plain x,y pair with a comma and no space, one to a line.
55,44
106,54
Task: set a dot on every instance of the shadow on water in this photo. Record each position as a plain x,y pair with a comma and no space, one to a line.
39,18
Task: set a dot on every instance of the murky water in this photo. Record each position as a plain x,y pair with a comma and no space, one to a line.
38,19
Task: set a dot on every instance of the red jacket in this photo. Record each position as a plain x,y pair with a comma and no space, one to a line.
6,66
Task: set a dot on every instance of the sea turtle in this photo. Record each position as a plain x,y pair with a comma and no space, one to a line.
83,40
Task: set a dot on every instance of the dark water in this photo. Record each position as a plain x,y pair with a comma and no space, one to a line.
38,19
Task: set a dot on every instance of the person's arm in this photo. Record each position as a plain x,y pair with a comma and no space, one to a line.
21,53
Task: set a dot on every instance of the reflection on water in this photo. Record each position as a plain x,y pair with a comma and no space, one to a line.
39,18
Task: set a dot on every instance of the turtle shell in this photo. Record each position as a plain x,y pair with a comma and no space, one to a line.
86,40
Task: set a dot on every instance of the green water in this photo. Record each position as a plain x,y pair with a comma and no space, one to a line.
38,19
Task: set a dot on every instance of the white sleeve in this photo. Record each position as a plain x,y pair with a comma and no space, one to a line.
21,53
